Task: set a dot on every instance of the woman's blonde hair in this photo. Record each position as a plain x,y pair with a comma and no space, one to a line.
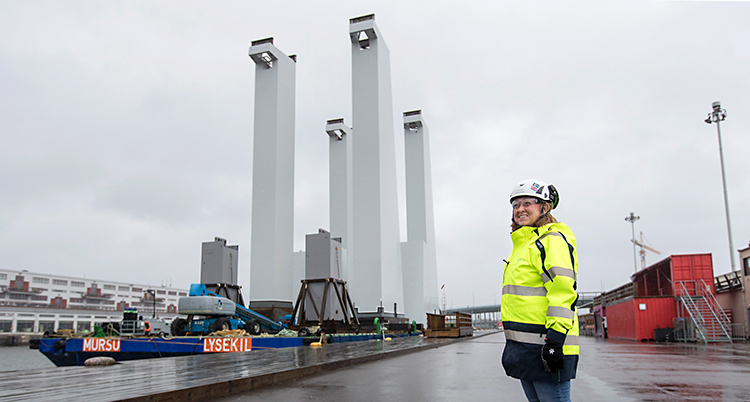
543,220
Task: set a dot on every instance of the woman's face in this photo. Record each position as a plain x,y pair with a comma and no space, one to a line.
526,211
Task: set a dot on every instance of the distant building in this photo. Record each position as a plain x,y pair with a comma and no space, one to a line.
35,302
732,295
677,298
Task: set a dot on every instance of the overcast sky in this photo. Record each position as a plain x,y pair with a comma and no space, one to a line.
126,128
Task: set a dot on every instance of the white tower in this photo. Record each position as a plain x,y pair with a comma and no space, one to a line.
418,252
273,173
340,188
376,262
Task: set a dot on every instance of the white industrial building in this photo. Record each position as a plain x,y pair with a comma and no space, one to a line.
37,302
418,252
376,273
271,240
340,188
381,270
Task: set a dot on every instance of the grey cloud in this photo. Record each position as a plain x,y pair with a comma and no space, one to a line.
132,125
150,199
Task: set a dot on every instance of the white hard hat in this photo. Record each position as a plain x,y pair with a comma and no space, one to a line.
537,189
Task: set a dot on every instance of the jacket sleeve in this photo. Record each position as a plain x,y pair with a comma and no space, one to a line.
559,274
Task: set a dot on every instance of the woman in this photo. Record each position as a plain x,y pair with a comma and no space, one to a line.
539,296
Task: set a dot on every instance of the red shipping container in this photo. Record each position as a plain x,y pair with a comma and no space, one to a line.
654,304
668,276
636,319
691,269
621,320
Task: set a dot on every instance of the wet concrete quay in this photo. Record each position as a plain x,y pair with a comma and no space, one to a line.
442,370
198,377
609,370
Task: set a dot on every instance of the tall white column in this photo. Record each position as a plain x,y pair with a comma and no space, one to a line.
419,255
340,188
271,248
377,252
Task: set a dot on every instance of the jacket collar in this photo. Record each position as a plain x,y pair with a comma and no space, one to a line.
529,233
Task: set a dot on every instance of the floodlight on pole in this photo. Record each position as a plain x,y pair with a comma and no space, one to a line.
632,218
718,115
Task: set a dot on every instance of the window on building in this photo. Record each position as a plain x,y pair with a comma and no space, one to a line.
171,293
77,284
5,326
747,266
110,287
39,280
24,326
183,294
76,300
59,291
137,290
83,326
61,282
65,325
38,289
14,296
38,297
125,288
3,276
47,326
161,292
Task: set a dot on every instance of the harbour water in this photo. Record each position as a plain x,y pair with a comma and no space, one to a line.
22,358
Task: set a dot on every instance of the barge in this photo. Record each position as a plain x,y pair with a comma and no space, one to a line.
75,351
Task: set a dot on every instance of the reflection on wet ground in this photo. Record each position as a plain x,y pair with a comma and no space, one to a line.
142,378
668,372
612,371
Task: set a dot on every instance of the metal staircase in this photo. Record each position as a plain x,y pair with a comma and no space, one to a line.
698,308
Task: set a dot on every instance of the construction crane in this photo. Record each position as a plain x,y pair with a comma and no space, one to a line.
643,247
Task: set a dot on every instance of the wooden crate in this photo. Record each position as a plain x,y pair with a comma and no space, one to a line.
448,325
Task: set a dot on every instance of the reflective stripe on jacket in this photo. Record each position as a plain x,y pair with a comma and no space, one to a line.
539,296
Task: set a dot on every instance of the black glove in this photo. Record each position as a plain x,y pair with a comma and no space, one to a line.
552,357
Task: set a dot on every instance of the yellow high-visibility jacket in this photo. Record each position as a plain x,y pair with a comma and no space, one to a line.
538,302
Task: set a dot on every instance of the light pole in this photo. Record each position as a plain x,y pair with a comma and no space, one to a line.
632,218
152,292
716,116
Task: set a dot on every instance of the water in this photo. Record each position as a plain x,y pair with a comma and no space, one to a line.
22,358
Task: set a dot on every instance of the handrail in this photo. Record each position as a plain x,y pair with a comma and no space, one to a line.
688,302
705,325
722,315
718,313
685,290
